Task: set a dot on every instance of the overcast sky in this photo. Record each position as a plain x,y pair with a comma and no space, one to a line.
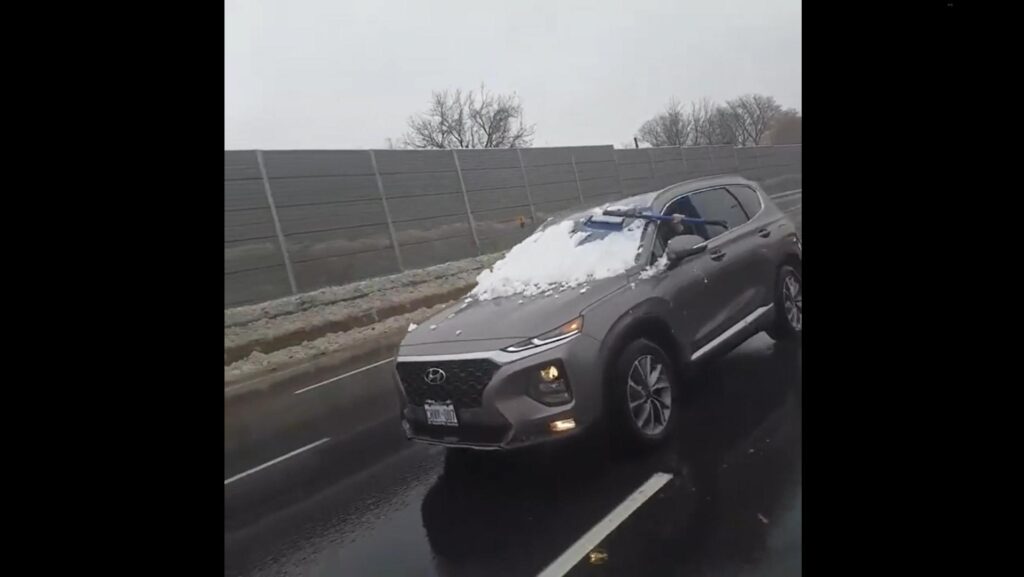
348,73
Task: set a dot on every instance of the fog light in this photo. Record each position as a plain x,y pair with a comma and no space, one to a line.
549,374
551,388
563,425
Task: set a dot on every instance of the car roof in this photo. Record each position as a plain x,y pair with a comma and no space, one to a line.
663,196
659,198
671,191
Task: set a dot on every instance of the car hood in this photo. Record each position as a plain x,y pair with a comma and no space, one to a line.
515,317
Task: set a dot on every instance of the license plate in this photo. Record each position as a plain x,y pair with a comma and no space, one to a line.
441,414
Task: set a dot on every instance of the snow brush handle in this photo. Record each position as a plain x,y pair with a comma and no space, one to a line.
721,223
663,217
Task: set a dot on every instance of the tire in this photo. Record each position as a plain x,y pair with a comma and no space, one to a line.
788,324
637,401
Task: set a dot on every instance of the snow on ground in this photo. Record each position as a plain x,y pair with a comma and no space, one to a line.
357,291
258,364
558,257
264,332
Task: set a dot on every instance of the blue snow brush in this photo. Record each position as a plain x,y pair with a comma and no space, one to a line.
614,218
602,222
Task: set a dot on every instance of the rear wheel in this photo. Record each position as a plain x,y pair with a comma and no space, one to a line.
789,316
642,394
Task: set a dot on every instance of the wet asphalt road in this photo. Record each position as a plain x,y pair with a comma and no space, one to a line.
372,503
731,508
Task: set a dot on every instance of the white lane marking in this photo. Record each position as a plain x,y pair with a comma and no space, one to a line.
277,460
339,377
786,193
590,539
794,208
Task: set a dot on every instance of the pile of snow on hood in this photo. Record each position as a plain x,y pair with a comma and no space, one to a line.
554,258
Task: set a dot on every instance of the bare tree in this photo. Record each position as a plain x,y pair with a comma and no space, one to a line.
712,124
702,117
442,126
498,121
722,129
751,116
669,128
787,128
457,120
742,121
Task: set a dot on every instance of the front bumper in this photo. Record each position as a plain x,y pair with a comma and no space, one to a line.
506,416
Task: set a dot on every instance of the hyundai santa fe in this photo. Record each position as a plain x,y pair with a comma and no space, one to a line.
599,315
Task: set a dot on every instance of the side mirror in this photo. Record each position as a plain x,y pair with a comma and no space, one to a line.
683,246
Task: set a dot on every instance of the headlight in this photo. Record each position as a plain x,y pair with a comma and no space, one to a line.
563,332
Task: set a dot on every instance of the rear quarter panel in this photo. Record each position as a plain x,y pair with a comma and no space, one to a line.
785,237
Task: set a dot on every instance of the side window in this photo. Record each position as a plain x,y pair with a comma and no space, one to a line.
718,204
683,206
748,199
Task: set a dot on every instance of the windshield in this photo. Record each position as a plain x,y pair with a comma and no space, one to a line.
564,254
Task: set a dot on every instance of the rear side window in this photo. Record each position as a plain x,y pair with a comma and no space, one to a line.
748,199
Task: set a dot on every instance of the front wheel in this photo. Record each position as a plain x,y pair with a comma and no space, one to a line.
789,315
642,394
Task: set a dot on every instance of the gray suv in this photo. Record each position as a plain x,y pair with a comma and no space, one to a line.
600,315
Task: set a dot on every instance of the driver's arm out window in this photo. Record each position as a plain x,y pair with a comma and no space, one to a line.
684,206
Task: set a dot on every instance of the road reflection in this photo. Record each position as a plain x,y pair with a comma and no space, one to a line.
735,457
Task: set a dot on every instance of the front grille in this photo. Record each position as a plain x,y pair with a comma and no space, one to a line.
463,384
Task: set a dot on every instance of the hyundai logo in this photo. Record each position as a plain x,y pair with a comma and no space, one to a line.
434,376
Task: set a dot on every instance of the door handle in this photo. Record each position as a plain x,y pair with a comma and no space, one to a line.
717,255
764,233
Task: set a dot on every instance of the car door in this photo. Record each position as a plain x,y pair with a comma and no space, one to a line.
685,285
762,235
733,270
